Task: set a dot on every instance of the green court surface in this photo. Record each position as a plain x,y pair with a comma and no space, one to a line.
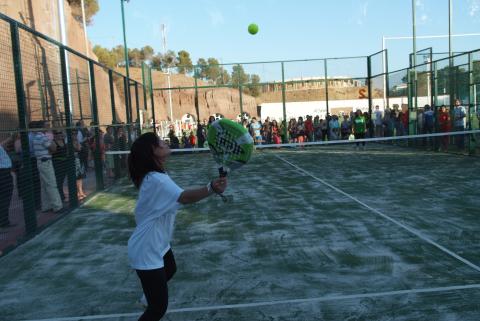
388,233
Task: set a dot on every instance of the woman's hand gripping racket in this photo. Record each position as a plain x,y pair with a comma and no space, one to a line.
231,146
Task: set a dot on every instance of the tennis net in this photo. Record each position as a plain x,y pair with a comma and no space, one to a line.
461,142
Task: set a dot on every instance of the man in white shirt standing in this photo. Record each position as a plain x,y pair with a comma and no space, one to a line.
43,147
459,122
257,136
378,122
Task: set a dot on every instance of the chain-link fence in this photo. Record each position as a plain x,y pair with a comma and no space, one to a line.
326,92
60,113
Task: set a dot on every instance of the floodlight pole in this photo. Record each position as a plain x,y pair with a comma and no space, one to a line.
414,34
450,20
87,51
385,75
63,37
125,42
84,22
413,105
450,54
164,42
128,100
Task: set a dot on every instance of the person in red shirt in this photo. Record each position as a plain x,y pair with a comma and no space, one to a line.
192,139
309,128
444,126
275,132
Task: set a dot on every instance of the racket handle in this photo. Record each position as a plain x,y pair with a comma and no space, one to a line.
222,172
224,198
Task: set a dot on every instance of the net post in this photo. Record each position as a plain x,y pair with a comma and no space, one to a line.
26,174
97,156
72,179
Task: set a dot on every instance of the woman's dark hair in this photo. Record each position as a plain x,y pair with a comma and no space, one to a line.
141,160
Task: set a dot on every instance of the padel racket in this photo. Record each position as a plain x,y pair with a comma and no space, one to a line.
230,144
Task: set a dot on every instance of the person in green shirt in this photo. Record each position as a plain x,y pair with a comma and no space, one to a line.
359,127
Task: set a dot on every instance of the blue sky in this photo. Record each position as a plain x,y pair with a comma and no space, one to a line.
301,29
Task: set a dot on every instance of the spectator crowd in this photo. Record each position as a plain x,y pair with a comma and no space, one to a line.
49,162
354,125
49,158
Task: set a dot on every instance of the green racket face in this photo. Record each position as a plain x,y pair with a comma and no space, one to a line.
230,143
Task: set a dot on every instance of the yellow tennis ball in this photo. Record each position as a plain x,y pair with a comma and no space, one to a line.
253,29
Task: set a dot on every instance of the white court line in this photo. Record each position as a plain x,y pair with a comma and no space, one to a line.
279,302
408,228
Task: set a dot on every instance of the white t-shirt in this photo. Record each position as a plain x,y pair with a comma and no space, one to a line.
155,216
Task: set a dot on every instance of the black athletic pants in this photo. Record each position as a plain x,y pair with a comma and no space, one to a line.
154,284
360,136
6,181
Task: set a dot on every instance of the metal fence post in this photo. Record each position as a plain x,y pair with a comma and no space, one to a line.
471,107
284,97
79,94
152,99
25,176
116,159
240,92
197,107
145,86
326,87
137,106
435,102
369,88
128,114
72,179
387,79
412,102
97,156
